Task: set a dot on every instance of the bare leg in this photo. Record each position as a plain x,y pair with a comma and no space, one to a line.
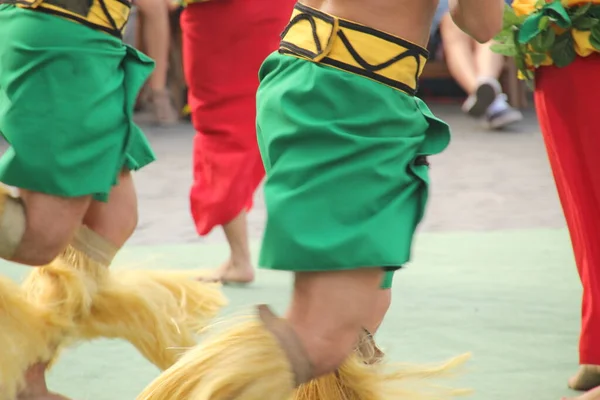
591,395
122,207
477,68
100,217
473,66
238,269
329,310
51,223
372,352
458,50
36,386
383,301
488,63
156,37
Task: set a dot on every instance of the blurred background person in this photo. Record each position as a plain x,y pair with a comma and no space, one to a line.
224,44
476,69
149,31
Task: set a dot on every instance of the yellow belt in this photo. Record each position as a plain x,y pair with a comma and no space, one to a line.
109,16
358,49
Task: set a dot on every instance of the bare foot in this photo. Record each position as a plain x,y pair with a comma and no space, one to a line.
35,385
591,395
231,273
587,378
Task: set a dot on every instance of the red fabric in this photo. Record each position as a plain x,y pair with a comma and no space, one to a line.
567,103
224,44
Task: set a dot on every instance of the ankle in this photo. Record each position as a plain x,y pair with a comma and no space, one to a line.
94,246
500,104
240,260
35,381
163,107
590,367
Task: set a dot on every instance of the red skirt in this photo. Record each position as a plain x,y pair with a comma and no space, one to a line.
567,101
224,44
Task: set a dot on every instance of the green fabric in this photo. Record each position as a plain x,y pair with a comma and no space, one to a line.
535,23
342,189
388,279
66,105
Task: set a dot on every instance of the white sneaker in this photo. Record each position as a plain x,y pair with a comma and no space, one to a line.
477,103
500,114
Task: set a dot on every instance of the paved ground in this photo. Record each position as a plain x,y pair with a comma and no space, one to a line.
493,272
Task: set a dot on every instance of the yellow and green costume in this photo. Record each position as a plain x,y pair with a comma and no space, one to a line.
344,141
67,89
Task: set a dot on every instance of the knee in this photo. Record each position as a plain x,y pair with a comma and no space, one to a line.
330,310
118,225
117,219
49,224
27,240
40,246
451,33
43,242
333,347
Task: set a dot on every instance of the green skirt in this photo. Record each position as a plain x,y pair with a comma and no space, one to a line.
66,105
344,187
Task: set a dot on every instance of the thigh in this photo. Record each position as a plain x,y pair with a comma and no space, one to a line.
116,219
332,299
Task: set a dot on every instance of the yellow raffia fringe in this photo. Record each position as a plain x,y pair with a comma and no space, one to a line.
366,376
25,338
243,362
67,285
246,363
159,313
357,380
